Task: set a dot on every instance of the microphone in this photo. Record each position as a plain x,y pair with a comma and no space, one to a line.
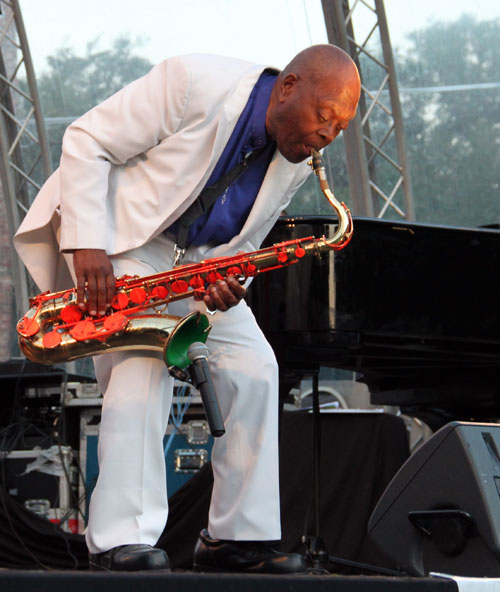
202,380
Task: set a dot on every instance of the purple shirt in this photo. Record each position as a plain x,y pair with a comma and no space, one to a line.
227,215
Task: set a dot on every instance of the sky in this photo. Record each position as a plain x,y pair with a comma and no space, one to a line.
264,31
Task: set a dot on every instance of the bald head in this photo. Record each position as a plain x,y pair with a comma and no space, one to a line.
318,60
325,63
314,98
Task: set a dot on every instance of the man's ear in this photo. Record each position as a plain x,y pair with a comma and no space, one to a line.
287,86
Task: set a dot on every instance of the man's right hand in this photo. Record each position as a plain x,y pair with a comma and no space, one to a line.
94,273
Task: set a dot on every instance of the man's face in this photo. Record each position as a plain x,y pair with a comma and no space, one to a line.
308,116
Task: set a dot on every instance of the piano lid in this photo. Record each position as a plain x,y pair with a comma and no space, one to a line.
394,279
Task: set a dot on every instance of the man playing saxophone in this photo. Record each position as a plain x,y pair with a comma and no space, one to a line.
129,169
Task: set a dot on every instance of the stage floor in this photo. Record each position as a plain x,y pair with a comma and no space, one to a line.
79,581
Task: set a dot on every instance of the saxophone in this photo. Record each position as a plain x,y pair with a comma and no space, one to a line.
56,330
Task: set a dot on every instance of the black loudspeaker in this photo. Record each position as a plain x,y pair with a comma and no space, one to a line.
441,511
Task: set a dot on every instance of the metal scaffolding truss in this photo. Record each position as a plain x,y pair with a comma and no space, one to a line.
24,152
379,178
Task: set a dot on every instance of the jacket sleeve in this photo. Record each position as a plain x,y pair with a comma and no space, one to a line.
128,124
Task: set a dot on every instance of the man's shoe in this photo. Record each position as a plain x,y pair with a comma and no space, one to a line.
257,557
130,558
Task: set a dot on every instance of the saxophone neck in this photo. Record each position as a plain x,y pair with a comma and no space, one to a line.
345,228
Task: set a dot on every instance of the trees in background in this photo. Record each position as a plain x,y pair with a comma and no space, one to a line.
73,84
453,136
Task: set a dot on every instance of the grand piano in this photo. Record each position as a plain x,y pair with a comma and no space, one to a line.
412,309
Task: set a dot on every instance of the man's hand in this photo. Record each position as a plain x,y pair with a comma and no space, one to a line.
224,294
94,272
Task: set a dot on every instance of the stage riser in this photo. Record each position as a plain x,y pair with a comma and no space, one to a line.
13,581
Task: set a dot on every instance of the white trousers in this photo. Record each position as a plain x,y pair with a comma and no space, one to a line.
129,503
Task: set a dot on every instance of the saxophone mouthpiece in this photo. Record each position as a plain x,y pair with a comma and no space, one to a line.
317,159
318,167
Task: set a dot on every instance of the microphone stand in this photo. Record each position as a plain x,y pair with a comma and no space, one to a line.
316,548
315,545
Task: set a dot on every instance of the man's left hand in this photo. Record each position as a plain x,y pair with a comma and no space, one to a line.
224,294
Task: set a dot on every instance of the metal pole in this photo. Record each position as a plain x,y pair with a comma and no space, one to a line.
372,192
357,165
31,78
396,109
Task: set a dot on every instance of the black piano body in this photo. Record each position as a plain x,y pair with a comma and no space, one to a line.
413,309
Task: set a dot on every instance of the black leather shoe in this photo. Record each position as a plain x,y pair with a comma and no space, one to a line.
244,556
130,558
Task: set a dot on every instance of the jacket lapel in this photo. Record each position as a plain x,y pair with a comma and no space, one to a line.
275,193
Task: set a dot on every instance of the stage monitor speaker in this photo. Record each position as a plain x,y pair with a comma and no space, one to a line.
441,511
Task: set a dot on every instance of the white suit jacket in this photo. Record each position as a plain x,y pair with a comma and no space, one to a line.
133,164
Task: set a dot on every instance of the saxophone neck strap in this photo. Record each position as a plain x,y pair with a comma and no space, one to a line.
206,199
